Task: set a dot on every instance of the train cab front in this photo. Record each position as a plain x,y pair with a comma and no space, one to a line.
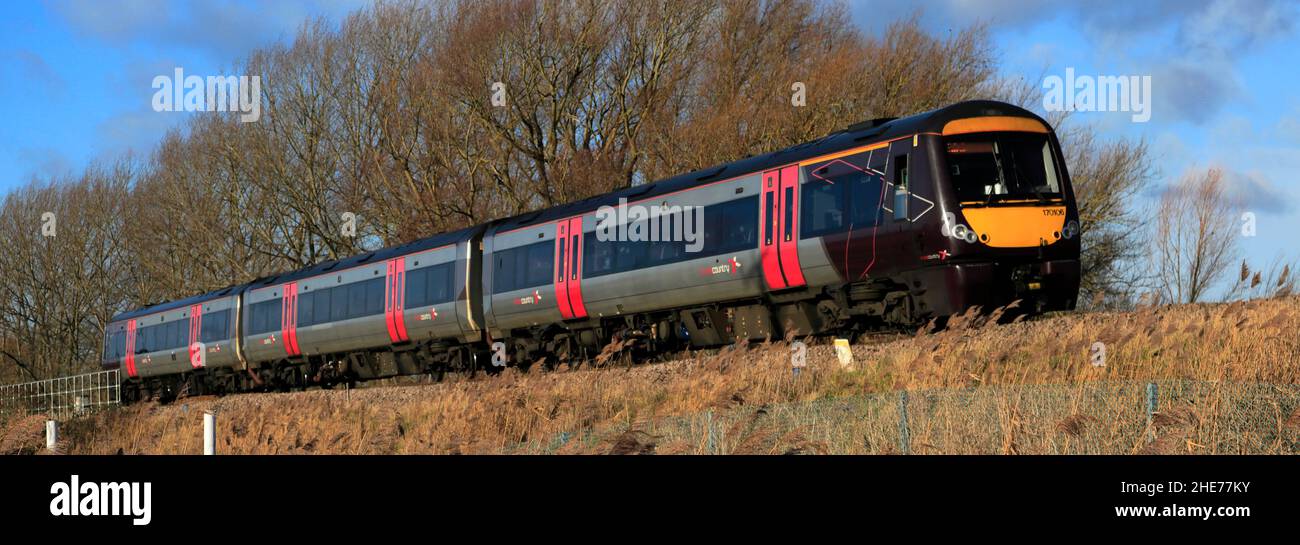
1010,226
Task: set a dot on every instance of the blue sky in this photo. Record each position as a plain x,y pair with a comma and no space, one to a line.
1224,75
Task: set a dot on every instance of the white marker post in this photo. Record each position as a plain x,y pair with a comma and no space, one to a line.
844,352
51,434
209,433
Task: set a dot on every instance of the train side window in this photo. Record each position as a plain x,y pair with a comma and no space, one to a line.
374,296
274,311
729,227
539,263
901,196
257,319
598,256
215,326
321,312
630,256
141,340
307,309
866,200
356,299
417,288
173,335
823,207
520,270
503,278
559,271
789,214
769,216
339,303
439,284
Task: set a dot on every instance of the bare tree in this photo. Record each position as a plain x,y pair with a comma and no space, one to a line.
1195,238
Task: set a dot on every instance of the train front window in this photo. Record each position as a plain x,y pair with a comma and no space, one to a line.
998,167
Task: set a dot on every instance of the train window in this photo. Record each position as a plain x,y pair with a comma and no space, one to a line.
866,199
417,288
321,313
306,309
265,316
597,256
730,226
788,201
540,262
357,299
560,270
522,267
741,224
141,342
440,279
771,219
665,252
502,281
573,266
215,326
172,335
339,303
374,296
256,319
901,196
823,207
629,256
1004,166
119,344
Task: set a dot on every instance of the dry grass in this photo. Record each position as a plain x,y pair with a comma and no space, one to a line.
618,409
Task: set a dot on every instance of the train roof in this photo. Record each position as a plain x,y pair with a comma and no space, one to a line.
857,135
179,303
383,254
418,245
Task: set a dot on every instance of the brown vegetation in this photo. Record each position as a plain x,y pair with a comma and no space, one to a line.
1026,387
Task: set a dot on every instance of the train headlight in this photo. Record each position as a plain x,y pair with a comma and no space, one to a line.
1071,229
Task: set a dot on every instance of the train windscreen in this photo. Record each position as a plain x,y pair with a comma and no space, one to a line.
997,167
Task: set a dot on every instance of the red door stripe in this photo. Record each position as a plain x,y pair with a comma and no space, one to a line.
388,301
130,348
561,277
577,308
293,319
395,300
289,319
196,321
788,253
768,230
399,308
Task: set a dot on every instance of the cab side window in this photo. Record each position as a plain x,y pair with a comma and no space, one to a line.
901,188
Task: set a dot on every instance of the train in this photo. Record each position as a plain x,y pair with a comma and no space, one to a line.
888,222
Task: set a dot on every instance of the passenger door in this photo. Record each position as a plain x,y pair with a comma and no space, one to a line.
395,300
130,348
778,218
289,319
568,268
196,326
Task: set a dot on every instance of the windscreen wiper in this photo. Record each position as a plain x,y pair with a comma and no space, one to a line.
1002,179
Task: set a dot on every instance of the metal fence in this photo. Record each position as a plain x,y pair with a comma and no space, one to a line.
62,397
1084,418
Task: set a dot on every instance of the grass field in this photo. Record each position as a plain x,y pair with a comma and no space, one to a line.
1028,387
